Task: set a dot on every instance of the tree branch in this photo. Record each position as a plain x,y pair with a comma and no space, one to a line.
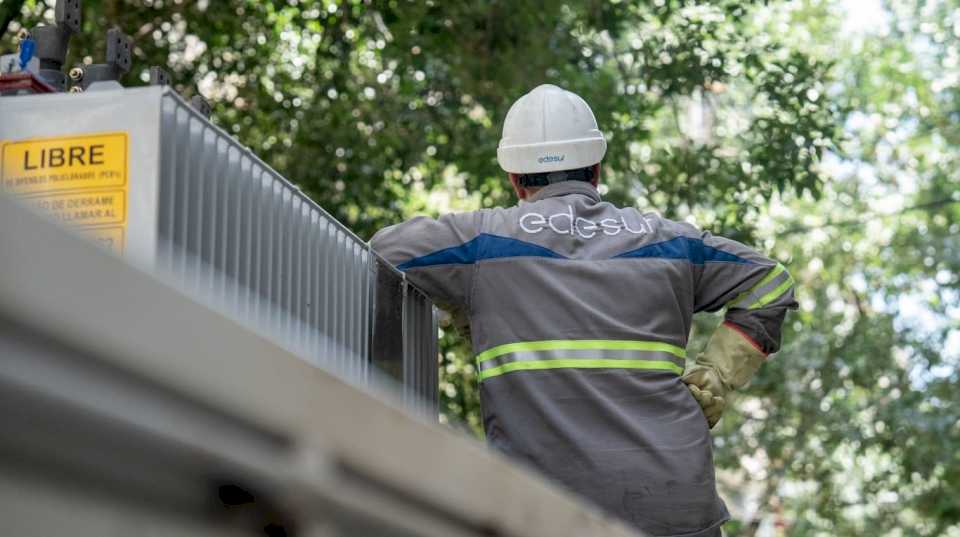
863,220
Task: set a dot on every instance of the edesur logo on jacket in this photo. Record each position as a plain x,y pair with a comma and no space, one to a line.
565,223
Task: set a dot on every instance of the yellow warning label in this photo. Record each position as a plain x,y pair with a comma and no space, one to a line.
84,208
62,164
109,238
78,180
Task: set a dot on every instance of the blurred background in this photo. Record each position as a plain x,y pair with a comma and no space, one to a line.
825,132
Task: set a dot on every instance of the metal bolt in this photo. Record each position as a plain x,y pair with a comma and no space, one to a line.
76,89
76,74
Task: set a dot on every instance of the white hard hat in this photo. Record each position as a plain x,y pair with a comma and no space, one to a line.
547,130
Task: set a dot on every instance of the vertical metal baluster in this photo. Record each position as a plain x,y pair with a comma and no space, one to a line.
280,266
310,320
360,280
405,346
209,210
253,252
230,228
348,304
418,356
421,352
283,264
262,201
182,218
421,370
411,321
311,291
276,252
347,309
298,285
421,356
364,310
293,269
247,235
266,289
219,277
331,289
329,273
256,237
196,206
435,362
342,306
282,277
168,187
270,286
367,309
411,359
292,274
354,304
304,329
336,255
324,288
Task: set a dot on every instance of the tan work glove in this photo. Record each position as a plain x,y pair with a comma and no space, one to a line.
728,363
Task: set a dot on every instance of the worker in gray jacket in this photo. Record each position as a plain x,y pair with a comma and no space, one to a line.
579,314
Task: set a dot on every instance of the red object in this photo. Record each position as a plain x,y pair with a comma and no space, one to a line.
749,339
24,80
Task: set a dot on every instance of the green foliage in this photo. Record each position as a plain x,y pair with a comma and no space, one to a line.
357,100
855,421
765,121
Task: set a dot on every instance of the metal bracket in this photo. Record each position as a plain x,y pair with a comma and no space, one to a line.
52,42
67,15
159,77
119,50
118,61
201,105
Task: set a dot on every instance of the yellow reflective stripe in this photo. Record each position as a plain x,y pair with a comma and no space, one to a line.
581,363
776,271
773,295
581,344
769,277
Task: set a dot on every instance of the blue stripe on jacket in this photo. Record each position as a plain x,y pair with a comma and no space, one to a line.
693,250
483,246
488,246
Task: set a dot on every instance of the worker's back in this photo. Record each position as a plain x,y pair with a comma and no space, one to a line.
580,313
580,353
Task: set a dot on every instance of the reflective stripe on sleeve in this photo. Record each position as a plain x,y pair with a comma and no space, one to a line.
775,294
563,354
777,282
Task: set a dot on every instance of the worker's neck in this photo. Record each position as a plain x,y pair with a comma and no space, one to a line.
535,192
530,191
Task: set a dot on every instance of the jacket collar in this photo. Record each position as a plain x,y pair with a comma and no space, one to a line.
564,188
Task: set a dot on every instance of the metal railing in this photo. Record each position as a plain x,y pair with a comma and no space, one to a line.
297,273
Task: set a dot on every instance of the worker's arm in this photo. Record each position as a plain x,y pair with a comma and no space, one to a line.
756,292
437,255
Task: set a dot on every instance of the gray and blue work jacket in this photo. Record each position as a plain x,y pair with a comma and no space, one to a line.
579,315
